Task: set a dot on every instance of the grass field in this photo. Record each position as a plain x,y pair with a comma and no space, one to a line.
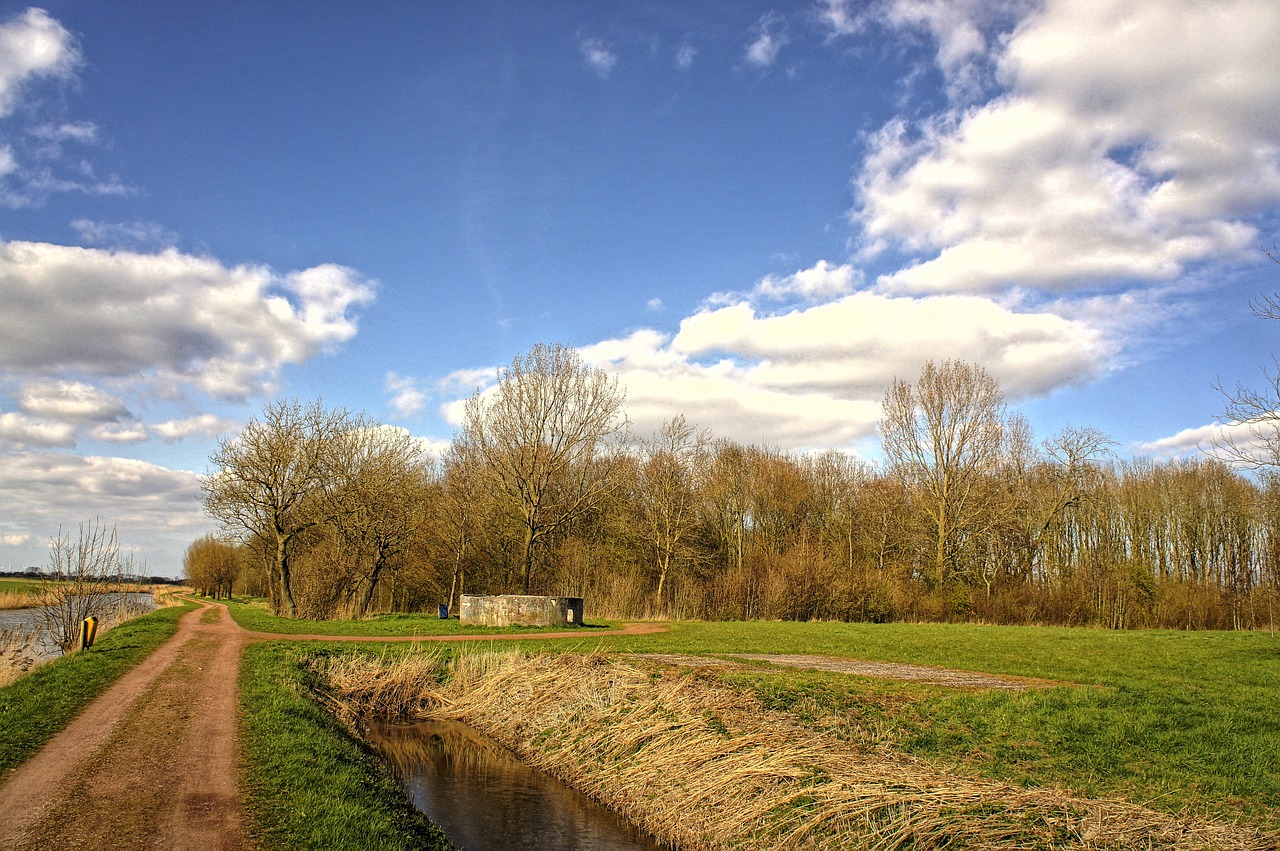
41,703
11,585
1180,721
1174,719
253,614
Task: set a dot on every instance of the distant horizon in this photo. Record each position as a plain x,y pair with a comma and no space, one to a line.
756,216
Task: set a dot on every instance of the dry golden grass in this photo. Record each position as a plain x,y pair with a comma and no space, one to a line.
16,657
701,765
22,599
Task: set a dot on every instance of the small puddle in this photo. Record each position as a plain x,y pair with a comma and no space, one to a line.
483,797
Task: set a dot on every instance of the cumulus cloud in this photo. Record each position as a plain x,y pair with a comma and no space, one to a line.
767,39
71,401
33,45
18,431
202,425
171,320
598,56
813,377
131,432
1128,142
407,399
156,510
822,281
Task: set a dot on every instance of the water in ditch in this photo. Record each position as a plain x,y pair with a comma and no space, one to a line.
483,797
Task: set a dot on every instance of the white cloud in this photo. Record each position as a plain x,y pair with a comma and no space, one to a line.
124,234
598,56
33,45
68,131
1130,141
19,431
202,425
15,540
169,320
820,282
685,56
768,38
71,401
406,399
131,432
157,511
653,305
838,18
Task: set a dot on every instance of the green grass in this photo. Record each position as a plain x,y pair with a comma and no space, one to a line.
253,615
37,706
310,784
10,585
1174,719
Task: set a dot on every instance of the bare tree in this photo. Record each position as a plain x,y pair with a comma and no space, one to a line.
80,569
212,565
1249,436
667,479
274,481
942,436
541,438
459,512
380,504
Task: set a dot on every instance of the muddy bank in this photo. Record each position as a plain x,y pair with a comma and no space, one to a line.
701,765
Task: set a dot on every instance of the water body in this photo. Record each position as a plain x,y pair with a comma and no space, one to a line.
45,649
483,797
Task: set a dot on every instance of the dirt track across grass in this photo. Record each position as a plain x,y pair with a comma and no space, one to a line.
152,763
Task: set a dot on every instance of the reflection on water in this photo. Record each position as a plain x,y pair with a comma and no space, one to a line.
483,797
44,648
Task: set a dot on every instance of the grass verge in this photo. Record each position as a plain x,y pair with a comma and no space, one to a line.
36,707
1177,720
252,614
309,783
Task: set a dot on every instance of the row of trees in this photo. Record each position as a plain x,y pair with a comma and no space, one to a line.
544,490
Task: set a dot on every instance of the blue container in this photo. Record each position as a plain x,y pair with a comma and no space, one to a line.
444,612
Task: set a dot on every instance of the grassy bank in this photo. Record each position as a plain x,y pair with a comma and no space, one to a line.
253,615
1181,719
704,764
41,703
309,784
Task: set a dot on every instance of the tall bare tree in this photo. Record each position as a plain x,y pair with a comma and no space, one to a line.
380,505
274,481
667,480
542,438
942,436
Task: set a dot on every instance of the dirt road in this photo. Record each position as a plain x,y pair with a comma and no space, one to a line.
152,763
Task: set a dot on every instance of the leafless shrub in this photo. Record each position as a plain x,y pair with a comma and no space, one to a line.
81,570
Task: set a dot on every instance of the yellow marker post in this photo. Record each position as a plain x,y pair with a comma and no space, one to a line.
88,632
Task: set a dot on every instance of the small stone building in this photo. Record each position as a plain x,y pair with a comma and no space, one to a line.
520,610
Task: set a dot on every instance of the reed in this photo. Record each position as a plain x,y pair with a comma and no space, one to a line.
702,765
25,599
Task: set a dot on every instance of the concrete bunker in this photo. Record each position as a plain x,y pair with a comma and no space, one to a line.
519,610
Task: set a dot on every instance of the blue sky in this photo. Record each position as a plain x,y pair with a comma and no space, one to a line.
755,214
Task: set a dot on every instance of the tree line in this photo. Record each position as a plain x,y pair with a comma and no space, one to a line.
545,489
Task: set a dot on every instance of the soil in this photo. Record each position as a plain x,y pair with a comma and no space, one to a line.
153,762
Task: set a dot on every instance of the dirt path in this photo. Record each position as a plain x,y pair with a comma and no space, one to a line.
152,762
149,764
858,667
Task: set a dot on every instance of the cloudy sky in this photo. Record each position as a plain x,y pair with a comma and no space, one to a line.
756,214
